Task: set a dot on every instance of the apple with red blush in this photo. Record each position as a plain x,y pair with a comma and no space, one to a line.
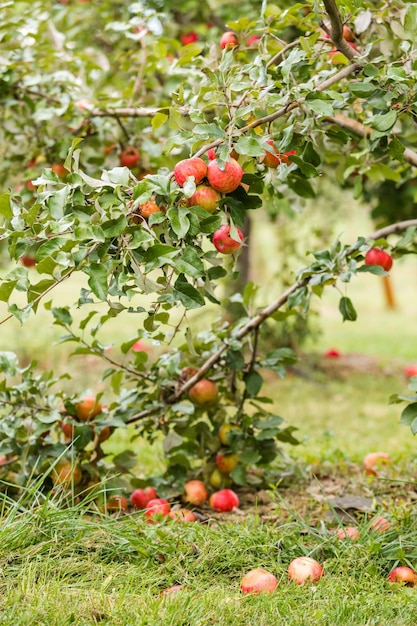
224,500
304,569
258,580
224,243
140,498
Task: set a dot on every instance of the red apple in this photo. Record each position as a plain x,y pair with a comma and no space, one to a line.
129,156
27,260
211,154
348,33
172,590
224,500
226,462
229,40
187,38
258,580
410,370
190,167
204,393
380,524
253,40
348,532
224,180
156,509
116,503
140,498
273,160
332,353
304,569
140,346
182,515
377,256
195,492
59,170
206,197
403,574
224,243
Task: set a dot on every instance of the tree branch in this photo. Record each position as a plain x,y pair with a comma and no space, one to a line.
256,321
336,30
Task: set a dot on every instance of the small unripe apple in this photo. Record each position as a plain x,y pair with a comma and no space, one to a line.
187,38
182,515
204,393
224,180
348,532
403,574
88,408
229,40
380,524
190,167
195,492
226,462
206,197
377,256
140,498
225,431
157,509
224,243
129,157
304,569
258,580
224,500
217,479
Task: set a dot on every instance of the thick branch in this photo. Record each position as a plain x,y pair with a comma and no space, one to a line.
336,33
256,321
135,111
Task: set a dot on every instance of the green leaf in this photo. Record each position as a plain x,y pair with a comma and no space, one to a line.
253,382
410,22
409,414
383,123
308,170
189,263
301,186
347,309
396,149
159,120
321,107
5,208
188,295
250,146
179,221
98,280
362,89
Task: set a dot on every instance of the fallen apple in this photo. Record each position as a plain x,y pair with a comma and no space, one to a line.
348,532
304,569
403,574
258,580
224,500
140,498
182,515
376,459
116,502
380,524
195,492
157,509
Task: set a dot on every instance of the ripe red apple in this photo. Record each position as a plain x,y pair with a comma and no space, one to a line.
224,180
224,500
157,509
204,393
68,428
129,156
116,503
374,459
182,515
377,256
229,40
27,260
140,498
195,492
332,353
226,462
148,208
410,370
304,569
380,524
253,40
348,532
206,197
187,38
190,167
224,243
348,33
258,580
211,154
403,574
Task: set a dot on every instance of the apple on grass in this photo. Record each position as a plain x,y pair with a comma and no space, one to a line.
304,569
348,532
380,524
195,492
157,509
140,498
116,502
375,459
224,500
403,574
258,580
182,515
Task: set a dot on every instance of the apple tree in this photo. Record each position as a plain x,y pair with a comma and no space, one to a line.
137,139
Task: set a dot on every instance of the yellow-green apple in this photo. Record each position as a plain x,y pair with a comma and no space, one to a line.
377,256
229,40
195,492
206,197
227,179
225,432
226,462
224,500
224,243
195,167
304,569
140,498
258,580
204,393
